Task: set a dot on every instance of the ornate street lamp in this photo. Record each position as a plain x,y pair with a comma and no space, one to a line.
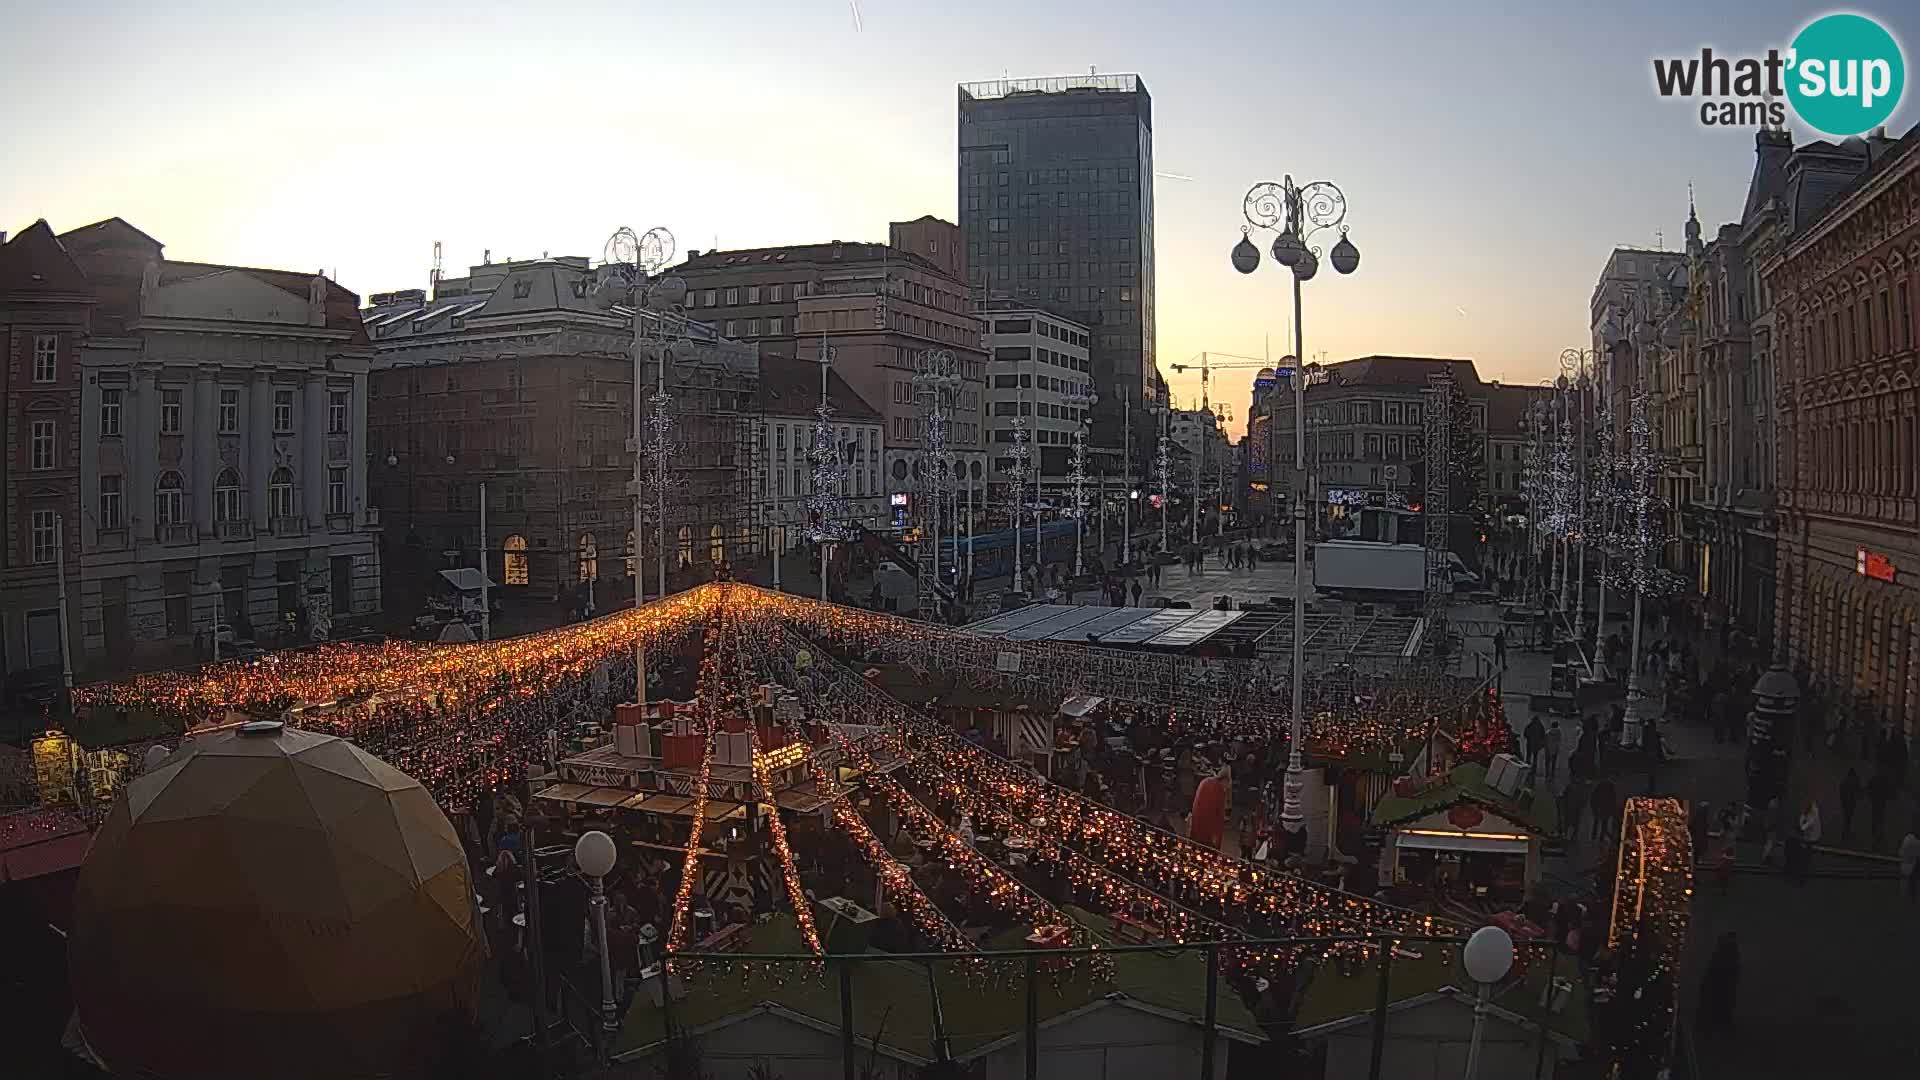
1296,214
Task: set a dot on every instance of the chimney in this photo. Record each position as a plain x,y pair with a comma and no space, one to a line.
3,236
692,254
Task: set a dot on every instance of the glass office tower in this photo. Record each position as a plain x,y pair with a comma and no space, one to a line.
1056,202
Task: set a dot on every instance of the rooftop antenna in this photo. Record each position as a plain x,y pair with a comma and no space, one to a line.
1660,239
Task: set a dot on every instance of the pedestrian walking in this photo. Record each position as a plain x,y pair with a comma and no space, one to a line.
1779,827
1553,749
1605,804
1136,592
1500,647
1535,736
1850,790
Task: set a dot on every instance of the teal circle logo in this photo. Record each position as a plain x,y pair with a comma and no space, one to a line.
1845,74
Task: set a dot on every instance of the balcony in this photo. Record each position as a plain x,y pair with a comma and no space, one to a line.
235,530
289,526
175,534
340,523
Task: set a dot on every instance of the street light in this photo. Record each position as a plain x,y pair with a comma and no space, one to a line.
595,853
1296,213
1081,399
1488,957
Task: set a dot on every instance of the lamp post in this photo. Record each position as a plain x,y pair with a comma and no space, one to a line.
1164,465
826,504
595,853
1488,957
1081,400
1016,495
1296,214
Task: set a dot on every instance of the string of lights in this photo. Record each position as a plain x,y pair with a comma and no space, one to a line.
1652,902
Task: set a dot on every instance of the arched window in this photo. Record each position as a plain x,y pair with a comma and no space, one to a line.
716,546
226,497
629,553
280,493
170,500
686,547
589,558
513,566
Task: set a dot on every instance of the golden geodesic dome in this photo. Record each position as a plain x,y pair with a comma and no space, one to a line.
273,902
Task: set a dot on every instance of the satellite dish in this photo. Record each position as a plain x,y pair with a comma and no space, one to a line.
623,247
655,248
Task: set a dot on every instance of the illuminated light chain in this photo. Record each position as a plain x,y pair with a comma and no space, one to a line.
709,691
991,883
1131,847
797,896
826,507
1652,903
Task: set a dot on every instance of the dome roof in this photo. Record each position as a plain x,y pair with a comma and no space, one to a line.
272,902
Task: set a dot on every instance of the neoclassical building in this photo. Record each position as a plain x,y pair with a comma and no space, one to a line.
1845,290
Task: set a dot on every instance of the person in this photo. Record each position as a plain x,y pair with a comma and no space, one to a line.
1574,802
1800,853
1208,822
1500,647
1779,827
1605,804
1553,749
1719,985
1136,592
1850,788
1535,735
1910,861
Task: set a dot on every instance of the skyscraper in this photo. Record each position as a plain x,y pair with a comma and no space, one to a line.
1056,204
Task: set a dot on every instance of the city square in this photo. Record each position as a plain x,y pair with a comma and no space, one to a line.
718,650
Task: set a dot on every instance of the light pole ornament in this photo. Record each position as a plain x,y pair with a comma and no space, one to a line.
826,505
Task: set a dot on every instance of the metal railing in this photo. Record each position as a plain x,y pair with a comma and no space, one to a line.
839,979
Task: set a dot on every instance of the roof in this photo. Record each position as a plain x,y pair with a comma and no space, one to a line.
1818,204
467,579
113,232
342,304
1402,371
891,1001
36,263
103,725
41,841
1467,783
831,253
916,690
1155,627
791,387
1507,406
1333,1001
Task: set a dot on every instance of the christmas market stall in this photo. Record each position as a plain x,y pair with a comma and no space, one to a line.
1474,831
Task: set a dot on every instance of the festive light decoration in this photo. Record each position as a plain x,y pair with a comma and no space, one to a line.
826,503
1652,900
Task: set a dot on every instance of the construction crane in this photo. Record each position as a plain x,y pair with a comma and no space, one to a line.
1207,367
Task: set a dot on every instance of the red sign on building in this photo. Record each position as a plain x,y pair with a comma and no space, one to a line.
1874,565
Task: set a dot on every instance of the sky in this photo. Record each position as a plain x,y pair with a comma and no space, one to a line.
1491,153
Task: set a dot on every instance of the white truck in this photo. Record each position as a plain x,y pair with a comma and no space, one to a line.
1363,568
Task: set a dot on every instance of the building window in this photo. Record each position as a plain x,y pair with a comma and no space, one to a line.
733,296
110,492
753,327
282,411
753,294
169,412
110,413
41,452
280,493
776,325
513,565
229,412
707,296
226,497
589,558
170,500
46,358
774,293
337,489
337,412
732,329
43,533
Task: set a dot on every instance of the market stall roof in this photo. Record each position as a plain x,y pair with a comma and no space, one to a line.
910,687
1468,783
1333,1001
893,1000
41,841
1175,628
467,579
